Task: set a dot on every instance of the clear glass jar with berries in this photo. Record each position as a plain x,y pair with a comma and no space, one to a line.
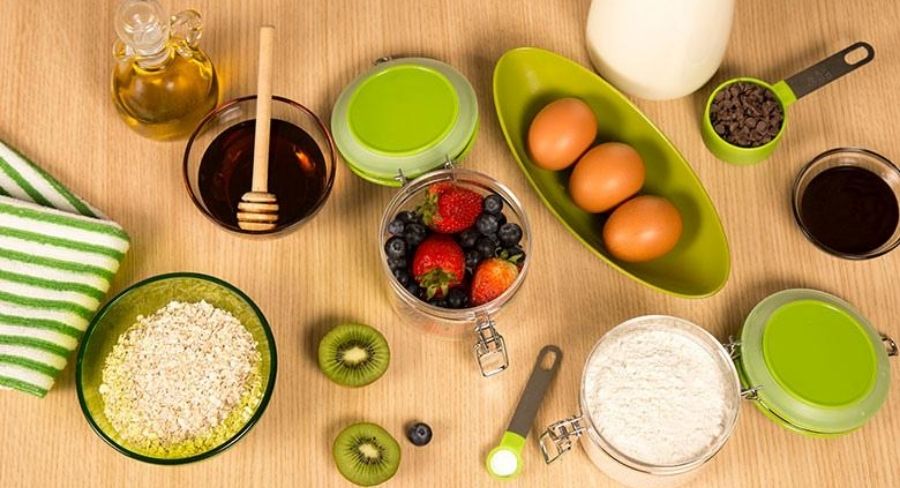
455,249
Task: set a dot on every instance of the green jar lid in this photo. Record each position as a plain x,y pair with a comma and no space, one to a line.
408,116
819,366
421,103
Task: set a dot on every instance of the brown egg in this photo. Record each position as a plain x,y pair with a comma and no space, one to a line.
643,228
606,176
560,133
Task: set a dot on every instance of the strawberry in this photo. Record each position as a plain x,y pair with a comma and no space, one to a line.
439,264
449,208
492,277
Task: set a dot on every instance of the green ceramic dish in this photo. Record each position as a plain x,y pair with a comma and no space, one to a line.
145,298
526,79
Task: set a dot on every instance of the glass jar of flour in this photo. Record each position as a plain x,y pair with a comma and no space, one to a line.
659,397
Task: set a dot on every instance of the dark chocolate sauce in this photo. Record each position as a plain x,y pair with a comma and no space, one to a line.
850,210
296,171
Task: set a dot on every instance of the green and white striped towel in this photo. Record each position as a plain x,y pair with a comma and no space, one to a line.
58,256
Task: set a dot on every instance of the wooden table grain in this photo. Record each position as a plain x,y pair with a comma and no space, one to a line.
55,107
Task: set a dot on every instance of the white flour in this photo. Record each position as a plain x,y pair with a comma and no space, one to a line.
656,394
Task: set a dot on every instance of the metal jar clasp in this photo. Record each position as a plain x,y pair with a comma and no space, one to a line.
733,347
490,349
560,437
890,345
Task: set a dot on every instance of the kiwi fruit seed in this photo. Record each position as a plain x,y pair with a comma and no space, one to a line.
366,454
354,355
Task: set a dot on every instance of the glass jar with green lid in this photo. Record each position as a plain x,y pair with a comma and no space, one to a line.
818,367
404,118
409,122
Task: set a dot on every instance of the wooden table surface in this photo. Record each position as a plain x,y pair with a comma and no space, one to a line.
55,107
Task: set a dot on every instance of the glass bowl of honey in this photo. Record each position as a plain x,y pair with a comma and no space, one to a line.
218,163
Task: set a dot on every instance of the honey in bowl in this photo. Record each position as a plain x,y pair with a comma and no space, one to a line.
297,171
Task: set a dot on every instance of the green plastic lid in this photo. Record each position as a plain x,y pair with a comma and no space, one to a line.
819,353
407,115
422,104
820,367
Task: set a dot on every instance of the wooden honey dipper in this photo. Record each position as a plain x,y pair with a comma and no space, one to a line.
258,209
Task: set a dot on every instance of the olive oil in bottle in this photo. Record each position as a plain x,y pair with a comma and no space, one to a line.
162,83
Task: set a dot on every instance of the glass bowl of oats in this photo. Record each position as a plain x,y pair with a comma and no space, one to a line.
176,368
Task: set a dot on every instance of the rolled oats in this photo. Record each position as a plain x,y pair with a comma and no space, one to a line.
182,379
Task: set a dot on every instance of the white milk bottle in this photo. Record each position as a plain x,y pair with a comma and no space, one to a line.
658,49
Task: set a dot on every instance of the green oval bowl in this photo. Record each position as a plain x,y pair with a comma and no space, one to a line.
525,80
144,298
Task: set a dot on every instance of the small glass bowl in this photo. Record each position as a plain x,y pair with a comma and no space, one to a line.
244,109
846,156
144,298
490,349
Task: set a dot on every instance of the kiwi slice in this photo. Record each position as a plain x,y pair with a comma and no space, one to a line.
366,454
354,355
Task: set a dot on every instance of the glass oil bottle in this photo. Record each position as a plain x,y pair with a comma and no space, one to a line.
162,83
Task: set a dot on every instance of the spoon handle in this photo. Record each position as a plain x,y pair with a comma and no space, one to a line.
544,370
829,69
263,110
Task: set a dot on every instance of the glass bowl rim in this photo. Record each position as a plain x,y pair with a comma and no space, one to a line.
277,231
257,414
885,248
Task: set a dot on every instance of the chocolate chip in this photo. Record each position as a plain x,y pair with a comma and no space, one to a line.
746,114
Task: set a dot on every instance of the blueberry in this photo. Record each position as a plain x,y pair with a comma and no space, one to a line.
472,258
439,302
486,247
487,224
509,234
395,248
493,204
397,263
408,217
415,233
413,288
419,434
396,227
468,238
457,298
402,276
422,294
501,219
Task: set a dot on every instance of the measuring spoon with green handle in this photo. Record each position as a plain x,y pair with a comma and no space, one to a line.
504,462
786,92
